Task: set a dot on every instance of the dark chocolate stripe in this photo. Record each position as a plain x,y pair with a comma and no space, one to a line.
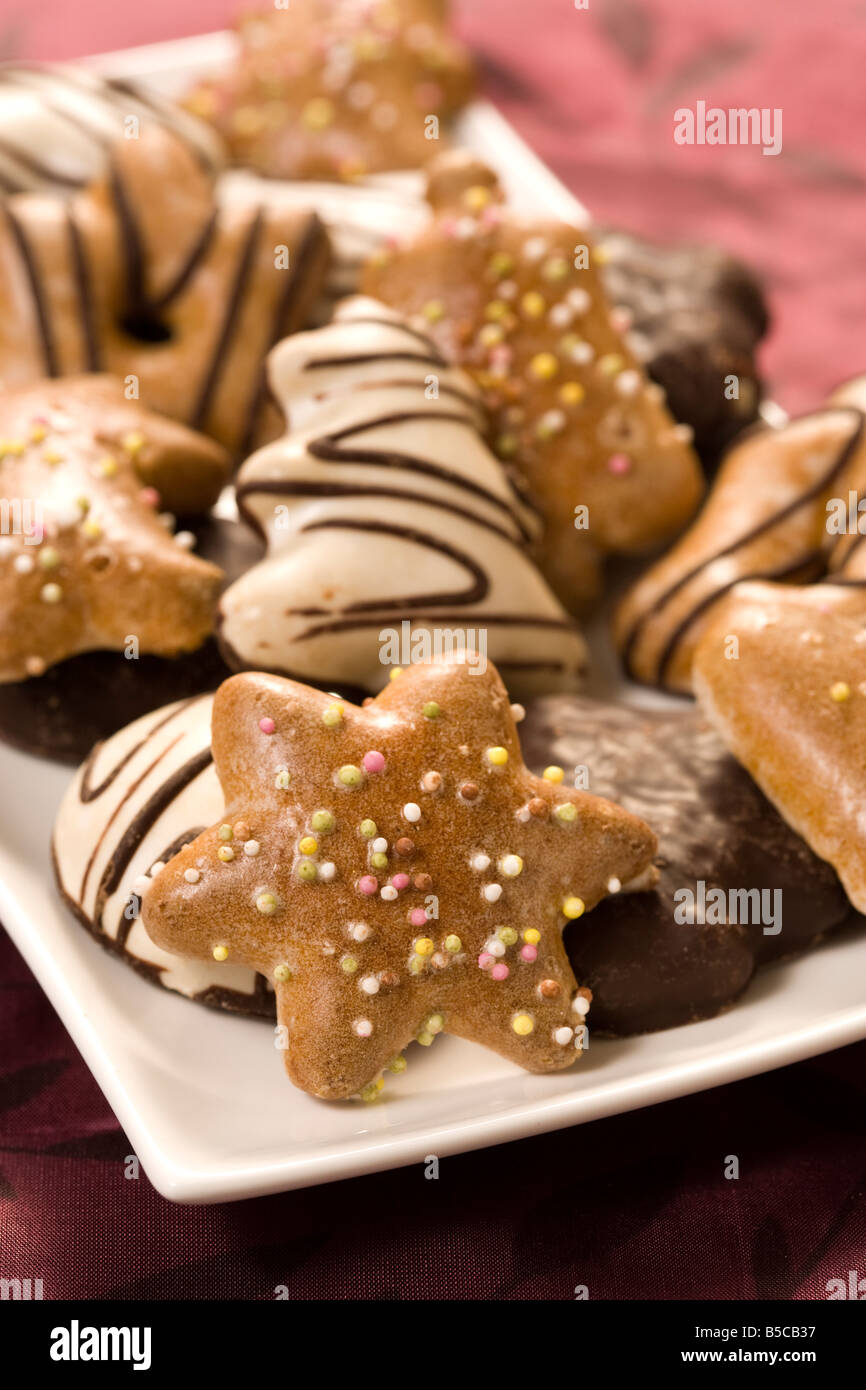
197,254
146,818
131,242
439,618
87,793
359,359
46,339
753,534
85,299
241,276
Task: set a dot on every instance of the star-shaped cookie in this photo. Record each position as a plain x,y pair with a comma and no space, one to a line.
396,871
87,560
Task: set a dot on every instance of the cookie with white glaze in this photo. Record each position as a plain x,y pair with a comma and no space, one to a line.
384,511
396,872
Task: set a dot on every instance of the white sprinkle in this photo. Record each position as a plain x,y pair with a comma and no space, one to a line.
7,545
480,862
628,383
518,713
251,847
563,1036
507,290
361,95
613,885
185,539
582,353
23,564
191,875
492,892
561,315
534,248
283,778
579,300
523,814
683,434
327,871
359,931
494,946
380,844
370,985
141,886
155,868
389,893
363,1027
412,812
465,227
580,1004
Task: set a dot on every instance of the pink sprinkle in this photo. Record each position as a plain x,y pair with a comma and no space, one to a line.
149,497
619,463
499,971
267,725
368,885
621,319
485,960
529,952
418,917
400,881
373,762
448,226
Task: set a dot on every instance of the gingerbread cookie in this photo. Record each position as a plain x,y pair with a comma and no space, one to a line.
87,561
659,959
766,517
396,872
698,317
520,305
333,89
138,798
58,125
79,702
143,274
390,526
782,674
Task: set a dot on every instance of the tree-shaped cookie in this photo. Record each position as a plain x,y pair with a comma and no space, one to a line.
396,871
389,522
87,480
519,304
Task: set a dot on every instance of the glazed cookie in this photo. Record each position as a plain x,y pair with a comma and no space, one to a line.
698,317
390,526
144,275
659,959
334,89
58,125
87,562
396,872
520,305
62,714
136,801
782,675
766,518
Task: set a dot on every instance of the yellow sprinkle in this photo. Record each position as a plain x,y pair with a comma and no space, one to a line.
52,456
496,309
424,946
51,593
372,1089
318,113
308,845
601,255
453,944
573,907
247,120
553,773
397,671
107,467
92,530
611,363
555,269
497,756
433,310
220,952
13,446
282,974
533,304
532,936
522,1025
425,1039
332,716
397,1064
477,197
501,264
225,853
266,903
571,393
840,692
544,366
566,812
133,442
38,433
491,334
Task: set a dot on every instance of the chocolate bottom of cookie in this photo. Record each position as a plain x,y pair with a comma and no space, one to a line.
85,699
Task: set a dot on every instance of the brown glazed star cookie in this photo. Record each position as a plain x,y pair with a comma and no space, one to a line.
698,317
396,871
520,305
772,514
649,963
335,89
144,274
782,674
86,558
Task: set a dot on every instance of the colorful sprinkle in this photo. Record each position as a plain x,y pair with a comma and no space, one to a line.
191,875
282,974
418,917
251,848
363,1027
431,710
373,762
323,822
619,464
51,593
567,812
573,907
532,935
307,871
496,756
492,892
553,773
368,829
368,885
267,725
500,971
348,965
453,944
511,865
522,1024
544,366
308,845
549,989
840,691
332,716
267,903
350,776
400,881
225,853
369,984
220,952
412,812
507,935
563,1036
529,953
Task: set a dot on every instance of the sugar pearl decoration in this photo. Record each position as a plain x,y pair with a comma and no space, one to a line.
251,848
191,875
267,725
492,892
480,862
363,1027
511,865
370,985
563,1036
412,812
581,1005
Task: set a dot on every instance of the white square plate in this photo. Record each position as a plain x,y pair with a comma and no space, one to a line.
202,1095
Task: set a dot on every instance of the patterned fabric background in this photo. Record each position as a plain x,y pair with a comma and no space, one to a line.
635,1206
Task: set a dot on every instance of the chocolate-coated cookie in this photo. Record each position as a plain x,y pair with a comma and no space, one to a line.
646,969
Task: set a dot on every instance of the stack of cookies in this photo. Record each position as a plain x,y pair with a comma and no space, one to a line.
299,532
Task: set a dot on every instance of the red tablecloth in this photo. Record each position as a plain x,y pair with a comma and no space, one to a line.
636,1206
